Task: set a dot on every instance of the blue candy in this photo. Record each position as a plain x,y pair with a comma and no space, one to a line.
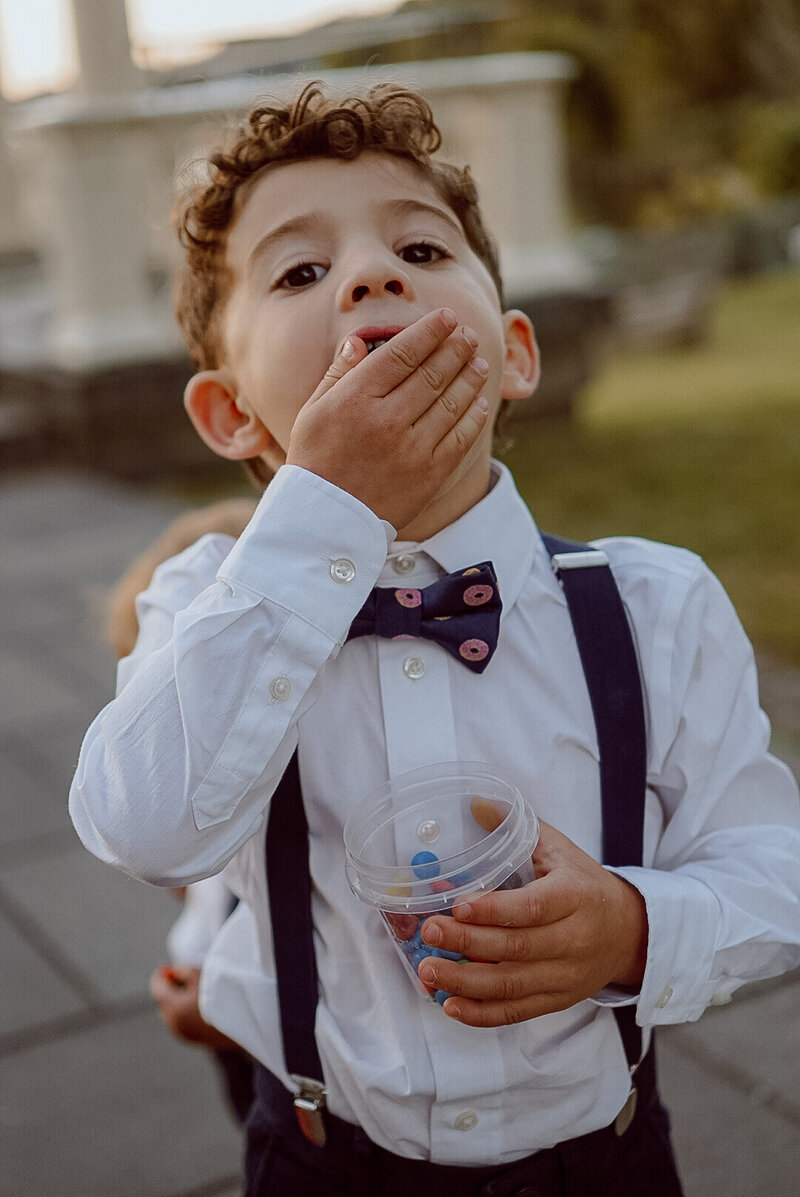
445,955
416,957
441,996
426,865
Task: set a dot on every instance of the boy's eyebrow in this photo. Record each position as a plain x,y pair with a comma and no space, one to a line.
411,207
291,227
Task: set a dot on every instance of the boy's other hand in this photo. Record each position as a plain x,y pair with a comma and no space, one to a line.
558,940
390,428
174,988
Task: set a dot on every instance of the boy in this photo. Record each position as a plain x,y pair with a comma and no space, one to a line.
341,301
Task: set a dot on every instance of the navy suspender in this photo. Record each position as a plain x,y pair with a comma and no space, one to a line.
608,656
289,886
611,669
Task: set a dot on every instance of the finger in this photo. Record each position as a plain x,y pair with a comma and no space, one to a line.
456,444
454,401
488,814
490,944
421,388
546,900
491,982
349,354
392,364
505,1013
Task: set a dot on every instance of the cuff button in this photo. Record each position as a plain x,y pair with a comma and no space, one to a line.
342,570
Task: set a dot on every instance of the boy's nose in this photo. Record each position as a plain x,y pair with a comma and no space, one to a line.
375,281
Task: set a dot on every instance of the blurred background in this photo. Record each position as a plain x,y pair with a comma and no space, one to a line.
639,162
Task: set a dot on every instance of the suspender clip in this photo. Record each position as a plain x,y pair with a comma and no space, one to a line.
583,560
309,1106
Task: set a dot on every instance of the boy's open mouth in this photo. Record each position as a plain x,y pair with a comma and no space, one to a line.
375,336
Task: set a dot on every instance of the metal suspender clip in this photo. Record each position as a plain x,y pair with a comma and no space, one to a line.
581,560
625,1117
309,1106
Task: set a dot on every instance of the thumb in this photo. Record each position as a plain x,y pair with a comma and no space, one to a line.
348,355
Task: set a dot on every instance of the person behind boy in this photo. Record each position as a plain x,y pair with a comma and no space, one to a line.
342,304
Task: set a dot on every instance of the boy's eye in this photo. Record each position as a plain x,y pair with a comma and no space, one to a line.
301,275
421,252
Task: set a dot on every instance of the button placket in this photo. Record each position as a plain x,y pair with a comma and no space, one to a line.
467,1120
403,564
414,668
280,688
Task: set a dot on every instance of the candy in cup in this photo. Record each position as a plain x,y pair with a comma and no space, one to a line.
430,839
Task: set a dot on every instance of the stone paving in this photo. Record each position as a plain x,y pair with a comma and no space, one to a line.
95,1097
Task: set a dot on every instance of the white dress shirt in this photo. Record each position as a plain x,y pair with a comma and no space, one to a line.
241,657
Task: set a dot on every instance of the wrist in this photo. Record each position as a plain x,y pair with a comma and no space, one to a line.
633,937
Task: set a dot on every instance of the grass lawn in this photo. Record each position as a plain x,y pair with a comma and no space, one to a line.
696,447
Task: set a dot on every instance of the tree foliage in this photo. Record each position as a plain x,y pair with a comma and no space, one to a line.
680,107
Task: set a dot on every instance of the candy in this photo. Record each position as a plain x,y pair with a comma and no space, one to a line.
440,887
425,865
400,888
445,955
403,925
441,996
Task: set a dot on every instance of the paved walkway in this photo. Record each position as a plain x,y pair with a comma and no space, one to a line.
96,1100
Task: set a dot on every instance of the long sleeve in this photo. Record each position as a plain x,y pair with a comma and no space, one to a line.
166,781
722,893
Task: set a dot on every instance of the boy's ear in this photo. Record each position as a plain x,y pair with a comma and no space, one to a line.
223,419
522,365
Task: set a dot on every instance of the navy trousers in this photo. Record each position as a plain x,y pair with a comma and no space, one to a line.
280,1161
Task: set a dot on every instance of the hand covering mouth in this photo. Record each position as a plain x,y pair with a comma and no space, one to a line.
376,335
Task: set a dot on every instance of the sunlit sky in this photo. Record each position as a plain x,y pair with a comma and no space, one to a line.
37,49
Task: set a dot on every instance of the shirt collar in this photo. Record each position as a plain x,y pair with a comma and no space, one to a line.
499,529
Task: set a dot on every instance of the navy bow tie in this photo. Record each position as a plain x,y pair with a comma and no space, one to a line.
461,612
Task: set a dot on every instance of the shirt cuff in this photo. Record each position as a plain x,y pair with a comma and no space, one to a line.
683,920
311,548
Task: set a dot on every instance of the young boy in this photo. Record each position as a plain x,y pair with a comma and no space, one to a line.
341,301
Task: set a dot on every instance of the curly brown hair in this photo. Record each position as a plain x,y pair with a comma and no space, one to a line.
387,118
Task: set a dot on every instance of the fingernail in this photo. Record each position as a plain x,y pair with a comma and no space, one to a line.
432,934
482,403
481,365
451,1009
348,350
464,911
449,317
427,973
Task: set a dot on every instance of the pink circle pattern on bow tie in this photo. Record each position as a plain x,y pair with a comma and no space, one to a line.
476,596
408,598
474,650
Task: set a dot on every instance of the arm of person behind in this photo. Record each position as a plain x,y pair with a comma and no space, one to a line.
174,775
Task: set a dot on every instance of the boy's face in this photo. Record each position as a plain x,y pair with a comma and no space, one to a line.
325,248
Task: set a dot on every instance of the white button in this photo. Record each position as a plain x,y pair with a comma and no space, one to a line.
414,668
343,570
662,1001
403,564
280,688
466,1121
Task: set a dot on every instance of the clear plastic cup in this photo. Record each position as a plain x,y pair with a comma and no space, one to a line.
430,839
